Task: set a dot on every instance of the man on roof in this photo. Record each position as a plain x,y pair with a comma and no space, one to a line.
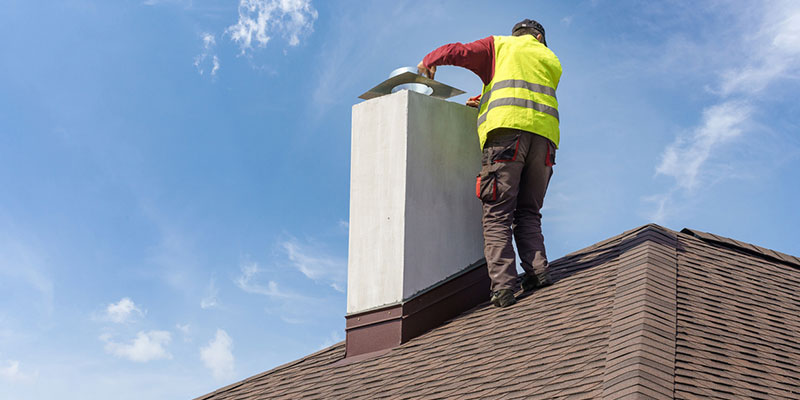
519,134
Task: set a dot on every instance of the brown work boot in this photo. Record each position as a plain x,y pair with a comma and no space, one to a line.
503,298
535,281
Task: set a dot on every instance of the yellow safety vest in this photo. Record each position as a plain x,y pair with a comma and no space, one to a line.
522,93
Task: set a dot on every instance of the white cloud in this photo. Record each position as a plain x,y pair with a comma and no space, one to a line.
774,57
685,158
147,346
10,371
186,330
290,306
217,355
259,19
122,311
211,298
316,266
202,60
247,281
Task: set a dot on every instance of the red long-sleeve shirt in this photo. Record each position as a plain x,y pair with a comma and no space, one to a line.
477,57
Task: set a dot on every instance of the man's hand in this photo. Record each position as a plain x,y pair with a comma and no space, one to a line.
474,101
425,71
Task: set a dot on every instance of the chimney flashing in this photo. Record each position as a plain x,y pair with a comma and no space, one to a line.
383,328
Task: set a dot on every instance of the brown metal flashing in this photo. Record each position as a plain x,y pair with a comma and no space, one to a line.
433,308
641,347
369,338
374,316
384,328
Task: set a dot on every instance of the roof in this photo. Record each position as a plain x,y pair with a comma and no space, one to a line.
649,313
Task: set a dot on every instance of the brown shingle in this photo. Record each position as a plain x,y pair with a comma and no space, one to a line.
651,313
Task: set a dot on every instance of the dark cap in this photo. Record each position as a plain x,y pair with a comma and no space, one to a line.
529,23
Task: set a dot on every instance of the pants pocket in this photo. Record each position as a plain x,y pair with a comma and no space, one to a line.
486,186
507,150
550,160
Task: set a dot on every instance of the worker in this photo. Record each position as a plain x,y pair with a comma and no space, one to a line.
518,133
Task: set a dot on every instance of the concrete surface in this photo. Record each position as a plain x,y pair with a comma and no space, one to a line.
414,217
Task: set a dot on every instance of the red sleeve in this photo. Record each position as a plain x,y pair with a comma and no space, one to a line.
477,57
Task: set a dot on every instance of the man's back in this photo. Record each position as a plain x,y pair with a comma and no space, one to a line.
518,128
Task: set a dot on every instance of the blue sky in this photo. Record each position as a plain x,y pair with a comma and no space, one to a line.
174,174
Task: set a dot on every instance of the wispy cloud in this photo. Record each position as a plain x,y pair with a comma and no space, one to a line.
10,371
211,298
186,330
123,311
248,281
686,156
315,265
260,19
207,60
775,57
147,346
291,297
218,356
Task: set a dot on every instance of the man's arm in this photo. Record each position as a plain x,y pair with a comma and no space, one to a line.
477,56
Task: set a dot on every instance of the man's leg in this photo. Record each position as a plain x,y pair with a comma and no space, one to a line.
527,217
498,186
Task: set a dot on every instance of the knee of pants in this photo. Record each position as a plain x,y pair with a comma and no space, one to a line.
527,213
498,220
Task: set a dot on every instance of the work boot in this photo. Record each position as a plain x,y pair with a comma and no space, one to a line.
503,298
535,281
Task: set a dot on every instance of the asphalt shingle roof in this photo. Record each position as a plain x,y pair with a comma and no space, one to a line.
650,313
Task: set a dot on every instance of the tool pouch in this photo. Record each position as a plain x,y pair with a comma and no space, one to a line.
486,186
550,159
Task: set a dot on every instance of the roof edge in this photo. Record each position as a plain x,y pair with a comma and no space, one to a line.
272,370
744,247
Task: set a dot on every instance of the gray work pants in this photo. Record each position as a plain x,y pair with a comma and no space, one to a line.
515,172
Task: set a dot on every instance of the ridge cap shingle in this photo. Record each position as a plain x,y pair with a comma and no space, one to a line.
643,321
609,243
745,247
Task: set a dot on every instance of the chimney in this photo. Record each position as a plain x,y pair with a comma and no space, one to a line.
416,243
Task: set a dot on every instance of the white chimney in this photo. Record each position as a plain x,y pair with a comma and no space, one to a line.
416,243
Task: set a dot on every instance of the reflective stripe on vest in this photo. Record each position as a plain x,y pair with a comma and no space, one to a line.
517,83
522,93
511,101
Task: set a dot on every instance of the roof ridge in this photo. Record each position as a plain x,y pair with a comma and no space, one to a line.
607,243
643,326
745,247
